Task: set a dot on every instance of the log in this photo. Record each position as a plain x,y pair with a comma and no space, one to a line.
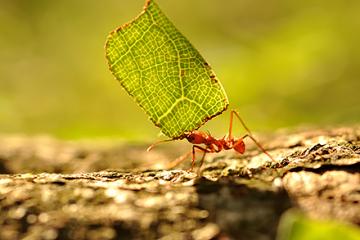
54,189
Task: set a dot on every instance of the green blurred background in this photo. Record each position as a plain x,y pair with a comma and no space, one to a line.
282,63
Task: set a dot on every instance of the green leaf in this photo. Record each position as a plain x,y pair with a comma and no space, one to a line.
164,73
295,226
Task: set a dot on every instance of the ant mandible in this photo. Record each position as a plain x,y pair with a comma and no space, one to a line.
213,145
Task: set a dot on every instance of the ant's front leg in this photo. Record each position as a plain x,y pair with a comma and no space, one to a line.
232,113
249,134
204,150
259,146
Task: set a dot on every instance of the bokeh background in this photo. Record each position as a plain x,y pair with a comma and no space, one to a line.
283,64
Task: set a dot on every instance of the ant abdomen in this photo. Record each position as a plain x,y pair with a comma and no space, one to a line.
196,137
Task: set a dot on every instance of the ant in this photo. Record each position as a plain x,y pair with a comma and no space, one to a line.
213,145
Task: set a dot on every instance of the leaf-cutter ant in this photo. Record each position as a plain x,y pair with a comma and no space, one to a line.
213,145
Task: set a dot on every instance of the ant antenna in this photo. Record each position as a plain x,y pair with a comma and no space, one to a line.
157,143
233,112
259,146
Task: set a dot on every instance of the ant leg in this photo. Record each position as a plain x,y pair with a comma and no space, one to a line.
204,150
233,112
202,160
192,159
259,146
178,160
158,142
230,125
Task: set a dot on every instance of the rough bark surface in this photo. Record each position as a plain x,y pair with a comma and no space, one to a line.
51,189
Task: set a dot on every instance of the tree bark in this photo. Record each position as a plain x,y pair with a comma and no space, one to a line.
52,189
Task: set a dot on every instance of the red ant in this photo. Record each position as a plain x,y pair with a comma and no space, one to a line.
213,145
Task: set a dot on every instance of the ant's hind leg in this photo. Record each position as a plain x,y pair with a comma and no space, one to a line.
192,159
178,160
183,157
202,162
157,143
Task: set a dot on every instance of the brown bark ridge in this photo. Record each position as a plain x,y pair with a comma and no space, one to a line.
52,189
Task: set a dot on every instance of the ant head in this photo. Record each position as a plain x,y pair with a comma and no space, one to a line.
196,137
239,146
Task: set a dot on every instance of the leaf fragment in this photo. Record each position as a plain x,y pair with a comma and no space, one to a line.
164,73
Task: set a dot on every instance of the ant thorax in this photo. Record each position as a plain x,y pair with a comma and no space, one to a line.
213,145
227,143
